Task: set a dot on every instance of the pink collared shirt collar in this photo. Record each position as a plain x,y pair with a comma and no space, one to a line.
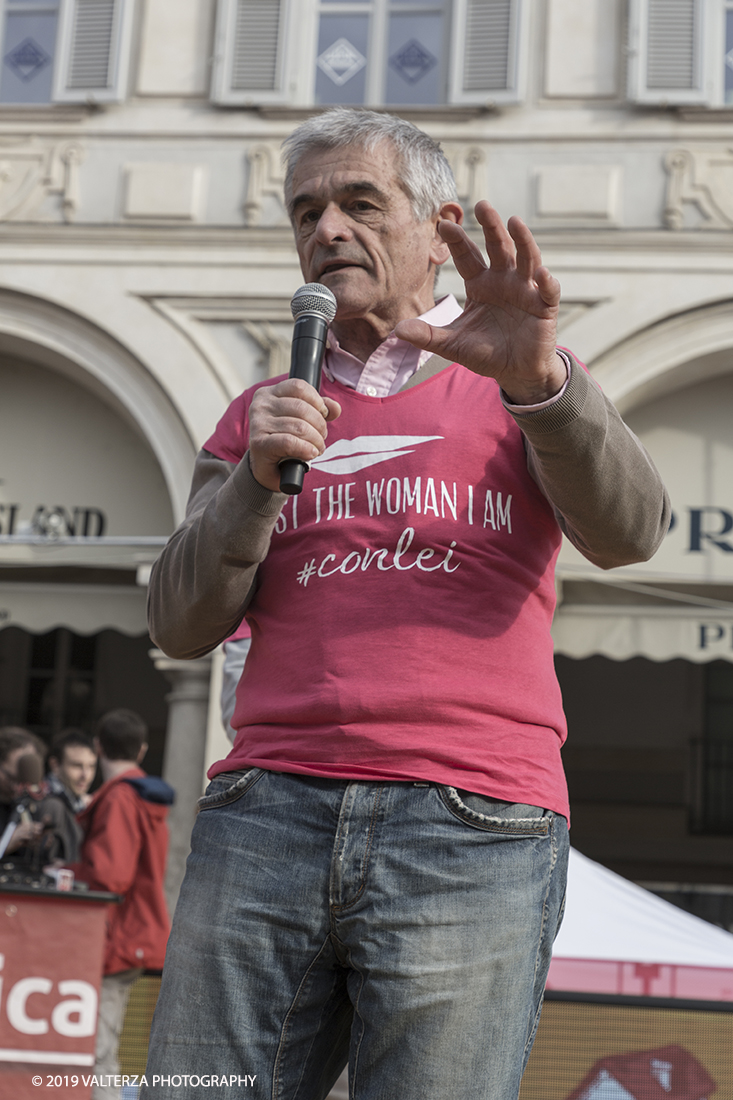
388,368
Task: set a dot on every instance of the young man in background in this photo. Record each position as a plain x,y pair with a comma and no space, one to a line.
124,851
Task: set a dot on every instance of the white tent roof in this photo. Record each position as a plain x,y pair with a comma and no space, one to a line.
607,917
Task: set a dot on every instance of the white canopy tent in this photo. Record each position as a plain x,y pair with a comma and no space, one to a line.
618,938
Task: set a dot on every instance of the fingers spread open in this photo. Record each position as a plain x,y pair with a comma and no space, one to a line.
466,255
548,286
499,244
529,257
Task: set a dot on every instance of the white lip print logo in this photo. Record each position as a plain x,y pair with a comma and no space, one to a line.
346,456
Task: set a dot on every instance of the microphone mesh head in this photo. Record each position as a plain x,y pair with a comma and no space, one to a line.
314,298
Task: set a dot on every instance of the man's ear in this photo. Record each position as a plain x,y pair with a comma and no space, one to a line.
451,212
141,754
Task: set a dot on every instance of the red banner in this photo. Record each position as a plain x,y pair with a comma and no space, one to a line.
51,952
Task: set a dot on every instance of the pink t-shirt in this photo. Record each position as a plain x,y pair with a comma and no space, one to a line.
401,623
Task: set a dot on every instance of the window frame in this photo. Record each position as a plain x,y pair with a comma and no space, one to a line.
517,64
120,50
119,53
290,19
298,26
3,13
708,60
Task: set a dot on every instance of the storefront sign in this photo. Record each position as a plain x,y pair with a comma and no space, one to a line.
53,521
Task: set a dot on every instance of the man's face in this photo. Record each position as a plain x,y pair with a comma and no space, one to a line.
356,233
77,768
11,766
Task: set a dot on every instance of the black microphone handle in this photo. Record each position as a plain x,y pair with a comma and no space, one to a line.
306,359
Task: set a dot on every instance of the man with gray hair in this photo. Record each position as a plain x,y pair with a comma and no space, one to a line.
377,871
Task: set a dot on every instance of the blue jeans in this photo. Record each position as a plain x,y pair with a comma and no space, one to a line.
406,927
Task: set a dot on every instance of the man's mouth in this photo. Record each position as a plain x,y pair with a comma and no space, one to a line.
337,265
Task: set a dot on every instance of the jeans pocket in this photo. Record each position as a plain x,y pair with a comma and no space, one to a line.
228,787
494,816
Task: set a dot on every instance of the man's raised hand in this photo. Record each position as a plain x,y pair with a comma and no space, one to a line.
508,327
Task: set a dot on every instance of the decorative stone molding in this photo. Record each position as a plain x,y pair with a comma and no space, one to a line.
572,309
703,177
242,339
263,204
469,167
667,354
275,345
71,156
164,191
62,339
578,194
31,170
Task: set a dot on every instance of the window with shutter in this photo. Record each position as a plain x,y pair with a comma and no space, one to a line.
489,56
91,44
63,50
374,52
93,50
673,45
678,51
256,36
249,64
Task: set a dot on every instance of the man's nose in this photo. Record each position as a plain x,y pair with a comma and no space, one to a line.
333,225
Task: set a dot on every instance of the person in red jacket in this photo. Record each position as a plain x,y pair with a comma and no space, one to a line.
124,850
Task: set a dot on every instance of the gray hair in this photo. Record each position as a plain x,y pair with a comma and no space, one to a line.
426,177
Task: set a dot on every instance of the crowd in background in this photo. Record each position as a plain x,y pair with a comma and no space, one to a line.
112,839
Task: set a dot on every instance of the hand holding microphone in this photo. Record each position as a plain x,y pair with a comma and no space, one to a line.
313,307
288,421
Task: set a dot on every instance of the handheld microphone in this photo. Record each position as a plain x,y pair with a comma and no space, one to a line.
313,307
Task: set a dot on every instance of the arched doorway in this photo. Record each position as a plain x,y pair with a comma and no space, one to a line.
73,638
645,653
